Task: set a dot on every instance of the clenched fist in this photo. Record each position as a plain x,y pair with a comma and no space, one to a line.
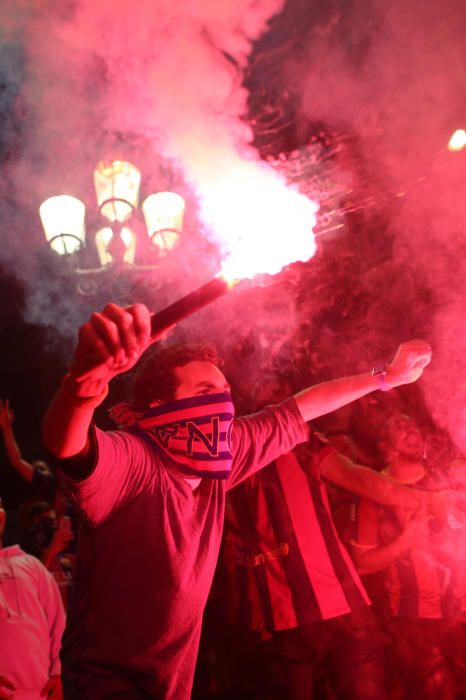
110,343
409,362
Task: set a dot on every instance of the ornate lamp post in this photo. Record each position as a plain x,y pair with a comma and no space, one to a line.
117,186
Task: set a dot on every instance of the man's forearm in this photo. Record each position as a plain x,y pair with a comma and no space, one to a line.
367,483
327,397
384,490
371,559
65,429
406,367
24,469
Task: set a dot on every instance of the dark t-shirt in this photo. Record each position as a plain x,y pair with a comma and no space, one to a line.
148,550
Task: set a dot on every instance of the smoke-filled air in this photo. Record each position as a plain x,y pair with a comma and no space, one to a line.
192,88
317,151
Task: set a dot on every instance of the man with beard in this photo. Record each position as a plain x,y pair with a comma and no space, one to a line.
290,577
419,579
152,499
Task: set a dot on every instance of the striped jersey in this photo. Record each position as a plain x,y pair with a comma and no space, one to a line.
286,564
419,583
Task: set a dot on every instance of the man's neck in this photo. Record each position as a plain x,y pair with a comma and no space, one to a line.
406,471
193,481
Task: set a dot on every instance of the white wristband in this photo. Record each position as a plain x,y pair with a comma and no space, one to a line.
379,373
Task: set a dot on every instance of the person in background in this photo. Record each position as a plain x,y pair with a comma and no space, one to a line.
49,538
49,524
294,579
152,498
414,554
37,474
32,620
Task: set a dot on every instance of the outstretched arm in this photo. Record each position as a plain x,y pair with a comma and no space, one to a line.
24,468
110,343
367,483
406,367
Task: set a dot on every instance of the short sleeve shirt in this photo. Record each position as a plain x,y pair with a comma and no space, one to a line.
148,551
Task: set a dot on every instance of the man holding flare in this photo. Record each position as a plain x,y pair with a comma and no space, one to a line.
152,497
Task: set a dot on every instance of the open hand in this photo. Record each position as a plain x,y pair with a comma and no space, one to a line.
6,414
61,540
416,528
409,362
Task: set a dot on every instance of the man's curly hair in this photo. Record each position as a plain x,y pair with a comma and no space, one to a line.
154,379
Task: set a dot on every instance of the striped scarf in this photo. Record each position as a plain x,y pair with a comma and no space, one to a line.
192,435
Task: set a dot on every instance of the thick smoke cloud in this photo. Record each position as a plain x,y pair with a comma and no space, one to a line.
394,74
163,80
169,75
168,80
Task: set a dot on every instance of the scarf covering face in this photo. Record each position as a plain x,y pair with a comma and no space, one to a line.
192,435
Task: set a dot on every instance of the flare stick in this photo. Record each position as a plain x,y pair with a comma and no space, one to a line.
164,319
189,304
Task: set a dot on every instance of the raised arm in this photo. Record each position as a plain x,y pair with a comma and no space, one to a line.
23,467
110,343
406,367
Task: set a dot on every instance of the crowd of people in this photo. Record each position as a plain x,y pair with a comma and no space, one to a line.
340,574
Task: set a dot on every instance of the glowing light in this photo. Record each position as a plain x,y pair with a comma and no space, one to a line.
163,214
103,240
261,224
63,221
457,141
117,189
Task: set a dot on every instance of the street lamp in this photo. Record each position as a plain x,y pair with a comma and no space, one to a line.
63,221
163,213
117,186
